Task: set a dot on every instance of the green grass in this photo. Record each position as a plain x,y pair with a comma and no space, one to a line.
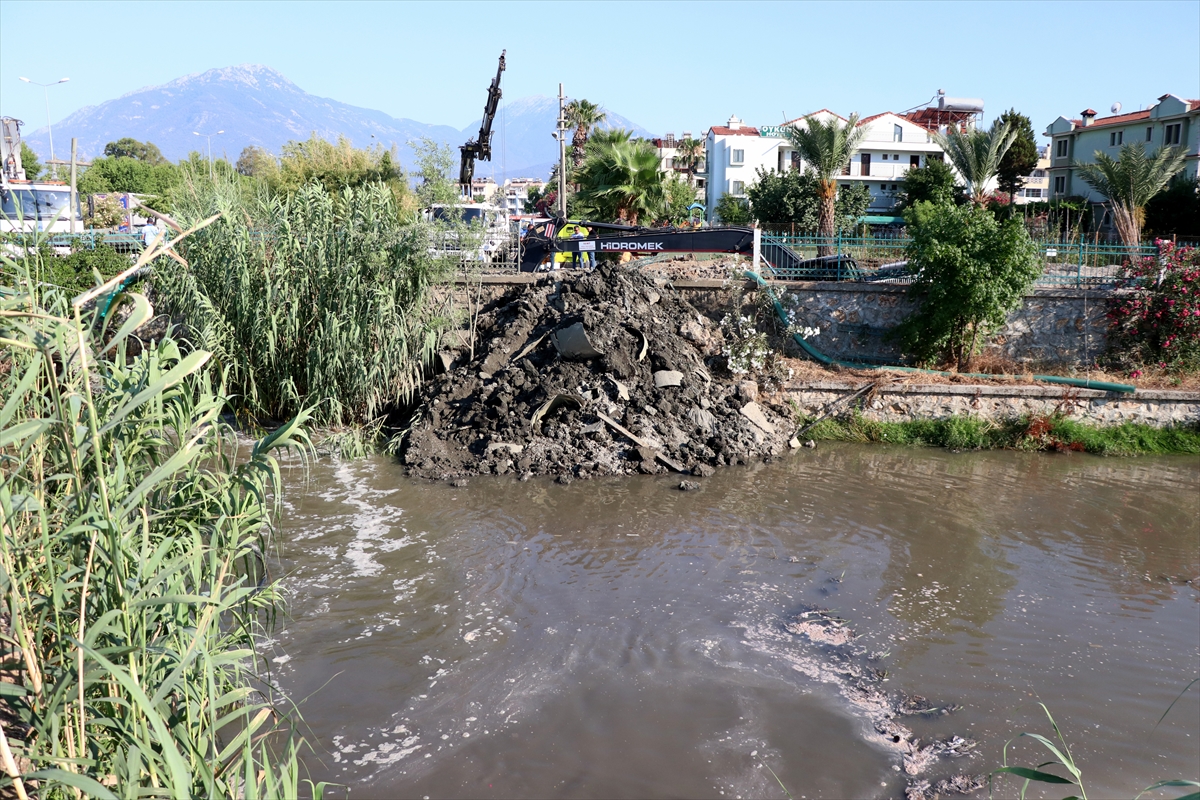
1024,433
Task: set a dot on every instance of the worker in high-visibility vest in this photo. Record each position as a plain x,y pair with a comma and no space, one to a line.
572,231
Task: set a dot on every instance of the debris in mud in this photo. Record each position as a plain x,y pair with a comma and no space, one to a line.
604,373
958,784
820,626
861,679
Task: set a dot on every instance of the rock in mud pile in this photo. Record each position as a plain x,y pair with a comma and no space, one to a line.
602,373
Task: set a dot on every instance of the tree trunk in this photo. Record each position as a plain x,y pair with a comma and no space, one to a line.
826,224
579,144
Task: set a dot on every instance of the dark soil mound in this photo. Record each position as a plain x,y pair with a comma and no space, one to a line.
601,373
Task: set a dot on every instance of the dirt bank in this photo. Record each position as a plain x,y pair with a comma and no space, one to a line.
601,373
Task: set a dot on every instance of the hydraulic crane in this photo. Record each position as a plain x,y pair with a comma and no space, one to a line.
481,147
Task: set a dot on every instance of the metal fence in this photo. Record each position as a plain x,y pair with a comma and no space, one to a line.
884,259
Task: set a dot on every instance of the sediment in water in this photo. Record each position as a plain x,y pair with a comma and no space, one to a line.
602,373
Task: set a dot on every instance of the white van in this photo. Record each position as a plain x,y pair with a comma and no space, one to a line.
489,220
26,207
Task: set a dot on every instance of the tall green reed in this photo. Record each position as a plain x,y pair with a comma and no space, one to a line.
132,530
310,299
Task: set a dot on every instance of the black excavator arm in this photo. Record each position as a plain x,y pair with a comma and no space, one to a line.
481,147
542,242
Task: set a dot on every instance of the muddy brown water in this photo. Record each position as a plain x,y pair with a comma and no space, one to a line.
621,638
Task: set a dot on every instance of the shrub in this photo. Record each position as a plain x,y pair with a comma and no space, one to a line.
1156,322
972,270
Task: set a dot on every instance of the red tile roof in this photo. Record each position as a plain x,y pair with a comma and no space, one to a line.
720,130
865,120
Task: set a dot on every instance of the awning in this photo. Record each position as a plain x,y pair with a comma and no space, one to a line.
879,220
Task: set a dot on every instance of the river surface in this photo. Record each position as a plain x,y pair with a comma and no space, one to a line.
621,638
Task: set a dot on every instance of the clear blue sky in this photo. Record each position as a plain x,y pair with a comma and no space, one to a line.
669,66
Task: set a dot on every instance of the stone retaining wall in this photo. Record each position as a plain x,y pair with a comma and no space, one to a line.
1052,326
1065,327
899,403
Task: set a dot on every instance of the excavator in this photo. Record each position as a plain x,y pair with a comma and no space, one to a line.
542,242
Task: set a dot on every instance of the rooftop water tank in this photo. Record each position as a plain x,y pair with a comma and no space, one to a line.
973,105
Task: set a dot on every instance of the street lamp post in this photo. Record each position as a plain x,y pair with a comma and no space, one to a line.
46,95
209,136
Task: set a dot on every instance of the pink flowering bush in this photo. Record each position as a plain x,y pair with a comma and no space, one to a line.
1156,322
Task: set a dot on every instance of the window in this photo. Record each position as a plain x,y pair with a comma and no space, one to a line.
914,162
866,164
668,163
893,187
883,187
1115,138
1060,184
897,133
1150,134
1172,133
885,156
737,156
1033,192
1060,148
1038,173
739,187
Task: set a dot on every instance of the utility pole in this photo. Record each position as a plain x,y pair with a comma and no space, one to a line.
74,191
562,153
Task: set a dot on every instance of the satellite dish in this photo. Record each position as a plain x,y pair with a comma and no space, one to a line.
1116,108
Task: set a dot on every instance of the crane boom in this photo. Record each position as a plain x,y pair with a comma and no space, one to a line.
481,147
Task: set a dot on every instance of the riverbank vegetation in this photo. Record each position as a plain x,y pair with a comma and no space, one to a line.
316,299
133,597
1035,433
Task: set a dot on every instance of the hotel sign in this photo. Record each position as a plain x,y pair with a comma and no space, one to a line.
772,130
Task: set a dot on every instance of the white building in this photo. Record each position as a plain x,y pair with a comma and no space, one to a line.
667,148
516,192
893,144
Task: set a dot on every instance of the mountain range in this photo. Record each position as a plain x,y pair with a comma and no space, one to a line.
256,105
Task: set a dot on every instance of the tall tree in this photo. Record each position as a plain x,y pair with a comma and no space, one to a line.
1130,180
126,147
827,148
689,153
583,116
30,163
976,155
621,181
1020,158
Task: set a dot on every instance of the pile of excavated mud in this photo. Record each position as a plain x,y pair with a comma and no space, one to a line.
602,373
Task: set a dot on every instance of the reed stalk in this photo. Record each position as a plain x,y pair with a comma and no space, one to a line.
314,299
132,523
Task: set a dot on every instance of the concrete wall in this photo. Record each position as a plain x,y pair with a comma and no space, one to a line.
938,401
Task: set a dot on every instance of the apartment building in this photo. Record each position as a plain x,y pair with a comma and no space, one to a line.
668,151
892,145
1171,121
516,192
1037,183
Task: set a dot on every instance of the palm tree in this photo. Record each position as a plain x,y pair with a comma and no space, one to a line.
976,154
620,180
584,116
688,154
1130,181
827,148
